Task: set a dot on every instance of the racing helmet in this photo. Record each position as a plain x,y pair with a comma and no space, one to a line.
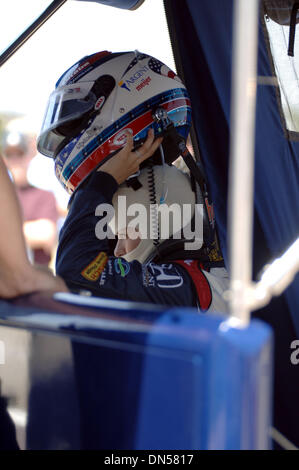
101,98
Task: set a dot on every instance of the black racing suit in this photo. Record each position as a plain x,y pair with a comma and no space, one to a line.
83,263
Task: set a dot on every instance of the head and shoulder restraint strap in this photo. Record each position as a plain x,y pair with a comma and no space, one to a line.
209,255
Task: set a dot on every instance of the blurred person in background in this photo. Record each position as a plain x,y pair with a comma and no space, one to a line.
39,207
41,174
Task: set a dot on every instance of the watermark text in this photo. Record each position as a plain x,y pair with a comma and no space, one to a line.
2,353
295,354
152,222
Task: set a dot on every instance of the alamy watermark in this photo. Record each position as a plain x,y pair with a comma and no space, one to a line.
2,353
295,354
152,222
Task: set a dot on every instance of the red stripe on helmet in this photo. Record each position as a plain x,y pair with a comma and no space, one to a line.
109,146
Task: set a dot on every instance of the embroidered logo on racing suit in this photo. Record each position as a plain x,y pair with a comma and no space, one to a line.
93,271
121,266
165,276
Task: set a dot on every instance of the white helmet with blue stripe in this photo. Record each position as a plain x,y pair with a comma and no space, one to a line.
98,100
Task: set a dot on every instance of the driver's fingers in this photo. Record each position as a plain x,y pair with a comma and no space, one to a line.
149,151
149,147
146,147
129,142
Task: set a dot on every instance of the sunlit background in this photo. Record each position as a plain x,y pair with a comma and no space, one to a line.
76,29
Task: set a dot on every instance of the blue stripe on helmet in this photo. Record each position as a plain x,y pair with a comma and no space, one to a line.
118,125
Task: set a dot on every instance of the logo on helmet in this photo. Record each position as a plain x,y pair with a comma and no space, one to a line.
121,137
143,83
130,81
99,103
123,85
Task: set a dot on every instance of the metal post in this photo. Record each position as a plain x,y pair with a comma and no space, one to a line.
244,78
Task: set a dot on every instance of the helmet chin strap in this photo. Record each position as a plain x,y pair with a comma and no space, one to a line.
179,146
